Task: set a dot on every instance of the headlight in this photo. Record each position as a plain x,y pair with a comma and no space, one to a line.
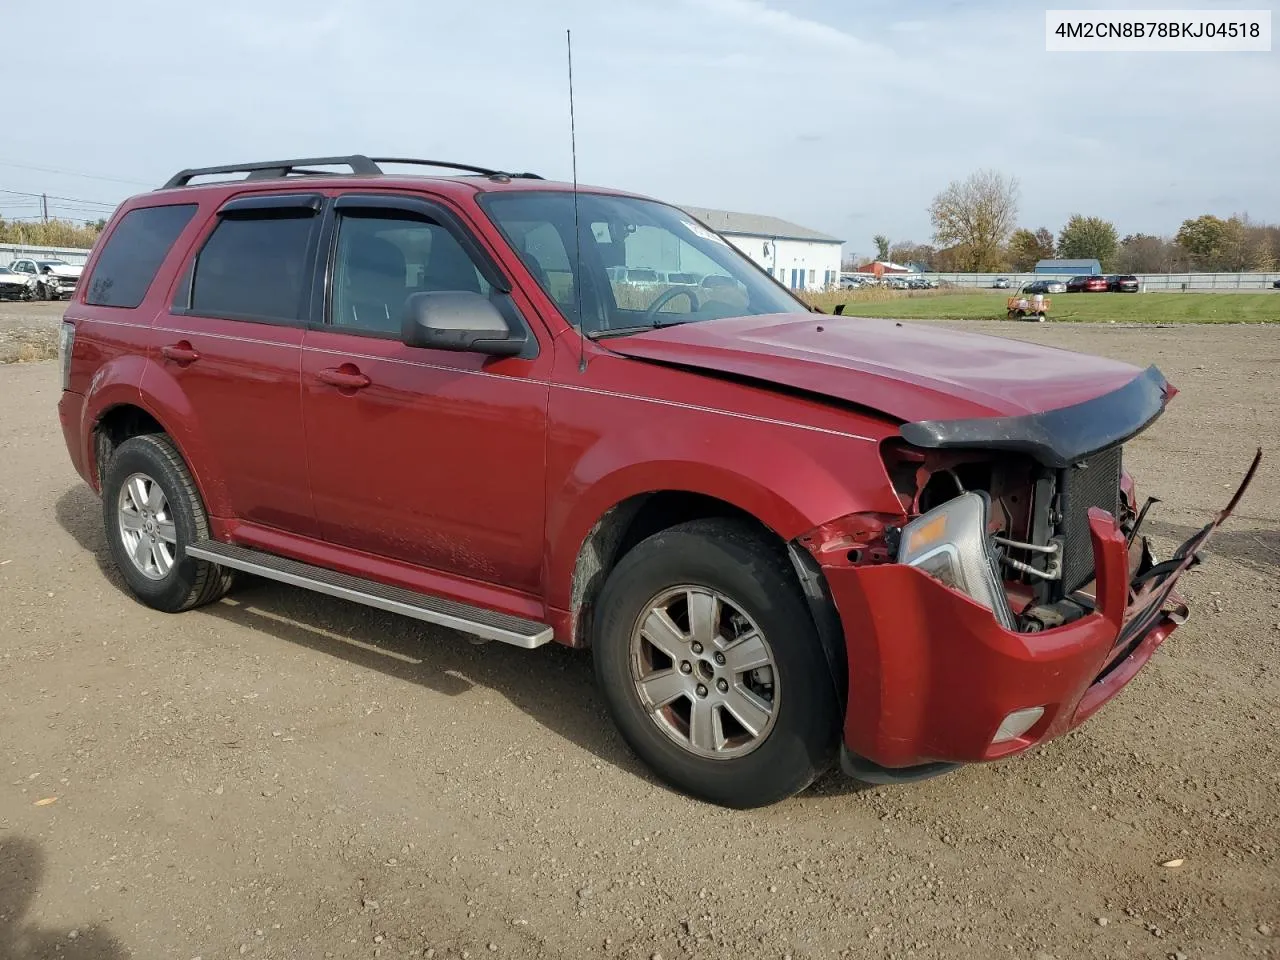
66,344
950,543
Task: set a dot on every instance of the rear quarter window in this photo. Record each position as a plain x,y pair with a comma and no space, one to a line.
134,252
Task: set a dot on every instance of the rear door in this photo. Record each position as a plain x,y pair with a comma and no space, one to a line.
438,457
232,341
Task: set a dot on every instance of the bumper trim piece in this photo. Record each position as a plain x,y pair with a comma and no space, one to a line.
868,771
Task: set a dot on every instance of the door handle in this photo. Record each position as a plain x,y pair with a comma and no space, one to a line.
181,352
345,377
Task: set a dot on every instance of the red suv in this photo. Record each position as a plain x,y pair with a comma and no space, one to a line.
787,537
1087,284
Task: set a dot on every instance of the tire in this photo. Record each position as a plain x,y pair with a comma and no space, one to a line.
758,590
160,533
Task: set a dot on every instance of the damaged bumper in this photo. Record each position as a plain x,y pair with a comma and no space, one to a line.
935,680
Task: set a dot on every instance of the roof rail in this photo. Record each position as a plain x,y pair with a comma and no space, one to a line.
360,166
483,171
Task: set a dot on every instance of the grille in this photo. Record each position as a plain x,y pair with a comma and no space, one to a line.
1092,482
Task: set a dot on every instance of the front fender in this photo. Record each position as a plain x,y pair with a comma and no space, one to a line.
788,478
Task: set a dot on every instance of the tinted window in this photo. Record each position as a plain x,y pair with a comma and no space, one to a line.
254,267
382,260
134,252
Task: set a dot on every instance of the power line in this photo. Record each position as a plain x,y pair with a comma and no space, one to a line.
87,203
72,173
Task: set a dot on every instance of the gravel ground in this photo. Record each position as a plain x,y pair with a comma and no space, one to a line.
29,331
284,775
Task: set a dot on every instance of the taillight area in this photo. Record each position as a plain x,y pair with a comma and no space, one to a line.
66,347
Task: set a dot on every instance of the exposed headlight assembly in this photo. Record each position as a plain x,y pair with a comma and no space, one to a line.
950,543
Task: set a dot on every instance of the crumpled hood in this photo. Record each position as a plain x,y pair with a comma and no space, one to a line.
69,272
910,371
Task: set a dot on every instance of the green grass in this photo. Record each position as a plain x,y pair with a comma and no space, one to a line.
1075,307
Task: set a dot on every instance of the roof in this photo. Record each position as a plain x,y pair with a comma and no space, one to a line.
756,225
888,265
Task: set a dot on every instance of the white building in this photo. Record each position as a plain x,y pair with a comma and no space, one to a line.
798,257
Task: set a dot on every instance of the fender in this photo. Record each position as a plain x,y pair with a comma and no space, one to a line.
789,487
136,381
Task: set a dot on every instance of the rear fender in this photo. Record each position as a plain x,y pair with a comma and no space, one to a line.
134,381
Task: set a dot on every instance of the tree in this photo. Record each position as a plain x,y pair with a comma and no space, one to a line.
1026,249
917,253
1085,238
1203,238
1232,245
1143,253
54,233
882,246
976,215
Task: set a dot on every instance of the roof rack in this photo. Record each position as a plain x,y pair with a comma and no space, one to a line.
359,165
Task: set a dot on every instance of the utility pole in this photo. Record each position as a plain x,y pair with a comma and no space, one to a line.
44,208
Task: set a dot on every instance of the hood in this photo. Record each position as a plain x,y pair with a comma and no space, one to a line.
19,279
68,271
910,371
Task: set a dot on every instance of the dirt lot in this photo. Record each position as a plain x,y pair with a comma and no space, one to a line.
284,775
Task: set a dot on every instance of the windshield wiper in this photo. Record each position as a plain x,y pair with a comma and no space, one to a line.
642,328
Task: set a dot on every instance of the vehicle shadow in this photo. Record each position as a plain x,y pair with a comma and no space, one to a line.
1259,548
21,870
553,685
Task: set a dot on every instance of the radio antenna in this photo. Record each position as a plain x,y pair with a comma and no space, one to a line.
577,233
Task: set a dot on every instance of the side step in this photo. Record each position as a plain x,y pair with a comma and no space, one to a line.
476,621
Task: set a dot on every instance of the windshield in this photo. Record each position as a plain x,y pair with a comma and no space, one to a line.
643,264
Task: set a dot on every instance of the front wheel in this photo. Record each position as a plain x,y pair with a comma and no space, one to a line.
708,659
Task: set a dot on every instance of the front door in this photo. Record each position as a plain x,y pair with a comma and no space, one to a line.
231,342
431,457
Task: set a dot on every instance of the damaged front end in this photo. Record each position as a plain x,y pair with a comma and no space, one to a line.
1013,597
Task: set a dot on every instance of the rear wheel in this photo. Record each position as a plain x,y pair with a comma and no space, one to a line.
152,512
711,667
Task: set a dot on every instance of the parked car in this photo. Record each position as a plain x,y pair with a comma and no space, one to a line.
17,286
55,279
1087,284
1045,286
1122,283
1276,284
1001,283
786,542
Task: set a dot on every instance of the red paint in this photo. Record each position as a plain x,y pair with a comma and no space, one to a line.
935,674
911,371
479,479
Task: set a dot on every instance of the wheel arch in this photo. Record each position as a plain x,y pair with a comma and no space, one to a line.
120,409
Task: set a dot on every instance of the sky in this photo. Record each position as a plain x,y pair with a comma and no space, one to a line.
846,116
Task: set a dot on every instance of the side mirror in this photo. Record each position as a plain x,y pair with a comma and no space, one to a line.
458,320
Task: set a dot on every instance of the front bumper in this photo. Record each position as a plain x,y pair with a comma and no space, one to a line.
932,675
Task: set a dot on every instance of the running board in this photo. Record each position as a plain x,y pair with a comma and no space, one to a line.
462,617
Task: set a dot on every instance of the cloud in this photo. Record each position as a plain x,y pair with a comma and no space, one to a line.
798,109
780,23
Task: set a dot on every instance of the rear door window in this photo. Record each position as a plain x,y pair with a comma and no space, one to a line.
254,266
134,252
